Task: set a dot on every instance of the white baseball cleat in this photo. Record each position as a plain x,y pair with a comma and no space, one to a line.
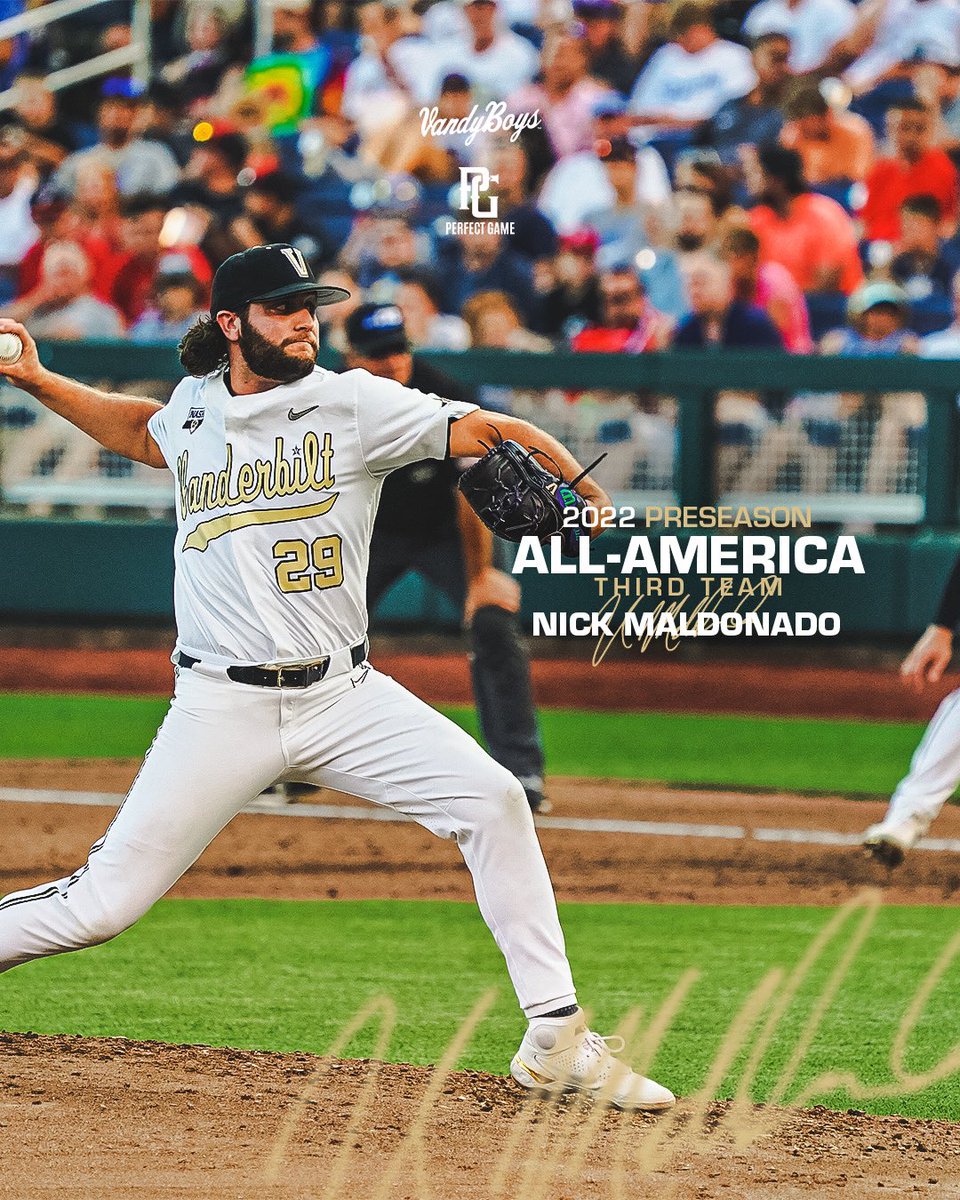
889,841
560,1054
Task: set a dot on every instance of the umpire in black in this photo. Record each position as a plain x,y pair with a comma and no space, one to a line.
424,524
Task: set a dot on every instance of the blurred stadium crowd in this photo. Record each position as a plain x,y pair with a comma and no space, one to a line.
778,173
781,173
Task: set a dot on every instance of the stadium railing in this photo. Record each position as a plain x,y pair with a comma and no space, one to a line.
136,55
857,441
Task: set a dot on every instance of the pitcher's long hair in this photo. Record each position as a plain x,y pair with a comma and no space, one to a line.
204,348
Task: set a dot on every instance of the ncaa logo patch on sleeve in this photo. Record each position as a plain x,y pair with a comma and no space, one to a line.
194,419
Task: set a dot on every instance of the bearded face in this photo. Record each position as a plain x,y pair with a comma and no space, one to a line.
289,358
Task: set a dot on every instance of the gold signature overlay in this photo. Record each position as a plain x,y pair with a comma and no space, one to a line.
711,600
531,1167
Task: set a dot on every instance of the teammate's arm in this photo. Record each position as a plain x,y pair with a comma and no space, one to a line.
471,436
117,422
931,656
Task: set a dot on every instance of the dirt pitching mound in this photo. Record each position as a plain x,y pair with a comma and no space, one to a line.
90,1118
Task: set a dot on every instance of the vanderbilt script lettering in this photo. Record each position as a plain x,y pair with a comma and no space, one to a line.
309,470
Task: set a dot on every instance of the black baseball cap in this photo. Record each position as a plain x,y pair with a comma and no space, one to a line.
267,273
376,330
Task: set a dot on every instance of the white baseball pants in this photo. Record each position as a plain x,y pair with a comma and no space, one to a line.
221,743
934,773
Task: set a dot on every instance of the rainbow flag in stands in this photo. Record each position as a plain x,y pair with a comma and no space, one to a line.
284,82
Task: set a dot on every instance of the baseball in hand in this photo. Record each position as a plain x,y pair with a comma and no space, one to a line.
10,349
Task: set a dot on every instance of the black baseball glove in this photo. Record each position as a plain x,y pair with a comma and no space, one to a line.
513,495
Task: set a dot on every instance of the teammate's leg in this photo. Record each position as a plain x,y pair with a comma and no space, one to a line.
218,746
933,777
370,737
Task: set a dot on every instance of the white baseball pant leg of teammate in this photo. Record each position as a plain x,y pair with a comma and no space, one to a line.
934,773
223,742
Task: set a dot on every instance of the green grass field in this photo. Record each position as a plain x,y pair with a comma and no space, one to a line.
289,975
794,753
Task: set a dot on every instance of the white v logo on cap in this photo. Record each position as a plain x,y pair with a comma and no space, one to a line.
296,260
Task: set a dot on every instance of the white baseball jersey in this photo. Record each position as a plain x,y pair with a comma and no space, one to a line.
276,498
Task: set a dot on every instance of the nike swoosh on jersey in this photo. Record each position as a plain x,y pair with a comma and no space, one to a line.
208,531
295,416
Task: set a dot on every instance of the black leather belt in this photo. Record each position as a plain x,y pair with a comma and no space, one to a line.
281,677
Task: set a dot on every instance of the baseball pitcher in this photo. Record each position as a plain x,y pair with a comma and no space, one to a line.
278,466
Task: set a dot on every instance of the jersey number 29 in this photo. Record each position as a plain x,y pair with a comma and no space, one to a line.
294,559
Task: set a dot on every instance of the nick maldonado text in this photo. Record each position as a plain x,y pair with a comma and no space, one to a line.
633,624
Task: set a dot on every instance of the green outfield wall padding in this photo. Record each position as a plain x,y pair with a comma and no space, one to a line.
669,372
930,558
86,568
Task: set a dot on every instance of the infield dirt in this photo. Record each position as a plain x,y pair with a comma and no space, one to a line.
278,857
870,690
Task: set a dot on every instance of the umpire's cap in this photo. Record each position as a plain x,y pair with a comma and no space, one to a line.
267,273
377,330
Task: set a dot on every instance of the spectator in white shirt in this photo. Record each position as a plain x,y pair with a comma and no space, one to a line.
494,59
445,19
579,184
688,79
813,26
140,165
17,230
896,30
393,70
